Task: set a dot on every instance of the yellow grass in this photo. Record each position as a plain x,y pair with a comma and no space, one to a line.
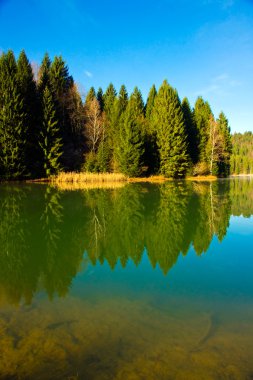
84,177
202,178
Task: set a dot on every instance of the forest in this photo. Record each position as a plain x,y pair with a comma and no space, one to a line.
242,153
46,127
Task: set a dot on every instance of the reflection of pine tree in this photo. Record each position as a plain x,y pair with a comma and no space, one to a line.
164,234
241,192
213,216
15,277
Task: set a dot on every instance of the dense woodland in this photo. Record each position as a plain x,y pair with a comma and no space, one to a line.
242,153
45,127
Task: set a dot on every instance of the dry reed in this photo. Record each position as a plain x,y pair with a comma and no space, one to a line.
84,177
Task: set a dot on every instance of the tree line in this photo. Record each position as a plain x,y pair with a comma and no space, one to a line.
45,127
242,153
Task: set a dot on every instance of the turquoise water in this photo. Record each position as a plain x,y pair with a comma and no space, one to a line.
138,282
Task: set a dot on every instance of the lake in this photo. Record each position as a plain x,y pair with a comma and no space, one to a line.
142,281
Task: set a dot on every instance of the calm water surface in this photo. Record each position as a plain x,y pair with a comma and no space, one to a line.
139,282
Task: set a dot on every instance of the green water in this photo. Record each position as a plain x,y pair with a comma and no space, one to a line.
140,282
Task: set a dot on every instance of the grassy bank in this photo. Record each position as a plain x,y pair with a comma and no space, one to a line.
73,180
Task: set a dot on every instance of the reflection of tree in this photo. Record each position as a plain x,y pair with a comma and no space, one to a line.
15,274
165,231
213,214
241,192
44,232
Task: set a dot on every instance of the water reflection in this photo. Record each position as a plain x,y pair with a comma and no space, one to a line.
45,232
79,321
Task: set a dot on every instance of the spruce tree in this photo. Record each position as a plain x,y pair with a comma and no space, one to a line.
100,98
130,145
224,129
168,121
61,84
191,130
44,74
13,121
29,94
151,158
202,114
109,97
90,95
49,138
150,101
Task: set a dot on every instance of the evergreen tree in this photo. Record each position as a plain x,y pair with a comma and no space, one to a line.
224,165
91,95
112,123
44,74
29,94
202,115
61,84
13,127
168,121
100,98
191,131
150,102
151,157
109,97
49,138
130,146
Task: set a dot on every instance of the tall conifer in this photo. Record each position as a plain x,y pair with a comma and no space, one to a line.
130,146
191,130
168,121
49,138
29,94
13,121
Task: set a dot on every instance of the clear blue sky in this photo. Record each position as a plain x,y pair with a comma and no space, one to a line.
203,47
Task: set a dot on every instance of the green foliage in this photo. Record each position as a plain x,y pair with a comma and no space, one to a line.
31,109
168,121
164,136
150,102
242,153
191,130
100,99
49,140
130,145
91,95
223,166
44,74
201,114
13,120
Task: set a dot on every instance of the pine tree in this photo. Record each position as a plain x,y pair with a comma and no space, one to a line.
49,140
112,124
44,74
61,84
202,113
90,95
191,131
29,94
130,146
168,121
109,97
13,127
224,165
151,158
100,98
150,101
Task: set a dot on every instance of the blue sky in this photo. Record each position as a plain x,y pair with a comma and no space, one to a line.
203,47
